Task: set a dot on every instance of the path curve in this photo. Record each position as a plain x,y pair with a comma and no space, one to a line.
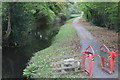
87,39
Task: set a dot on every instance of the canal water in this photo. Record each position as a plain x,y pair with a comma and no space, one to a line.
15,59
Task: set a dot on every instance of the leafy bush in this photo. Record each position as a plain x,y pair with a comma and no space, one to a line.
28,19
103,14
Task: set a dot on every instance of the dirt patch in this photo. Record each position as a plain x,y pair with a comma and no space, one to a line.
103,35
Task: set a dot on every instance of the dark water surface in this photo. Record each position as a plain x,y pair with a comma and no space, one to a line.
15,59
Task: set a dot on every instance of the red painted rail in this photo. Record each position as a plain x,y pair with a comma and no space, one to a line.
90,56
112,56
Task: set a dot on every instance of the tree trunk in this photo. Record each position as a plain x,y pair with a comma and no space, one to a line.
8,32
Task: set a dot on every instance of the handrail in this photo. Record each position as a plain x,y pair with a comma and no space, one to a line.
104,49
90,56
91,49
111,60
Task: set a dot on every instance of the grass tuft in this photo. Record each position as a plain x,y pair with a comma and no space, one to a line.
65,42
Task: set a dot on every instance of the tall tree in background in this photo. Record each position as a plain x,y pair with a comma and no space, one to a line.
103,14
24,20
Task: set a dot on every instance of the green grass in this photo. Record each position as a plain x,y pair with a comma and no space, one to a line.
75,15
70,20
39,66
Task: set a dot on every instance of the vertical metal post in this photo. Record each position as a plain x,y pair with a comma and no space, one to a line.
90,56
83,61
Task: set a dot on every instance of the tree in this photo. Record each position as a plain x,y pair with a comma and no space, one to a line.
23,21
103,14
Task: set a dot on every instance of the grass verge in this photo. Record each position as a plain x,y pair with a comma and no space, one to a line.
75,15
65,42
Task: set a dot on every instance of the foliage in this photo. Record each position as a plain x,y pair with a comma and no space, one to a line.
60,46
31,69
103,14
29,20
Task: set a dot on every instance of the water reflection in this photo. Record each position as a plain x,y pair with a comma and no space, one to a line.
15,58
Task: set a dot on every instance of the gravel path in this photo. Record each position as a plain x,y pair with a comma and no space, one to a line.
87,39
